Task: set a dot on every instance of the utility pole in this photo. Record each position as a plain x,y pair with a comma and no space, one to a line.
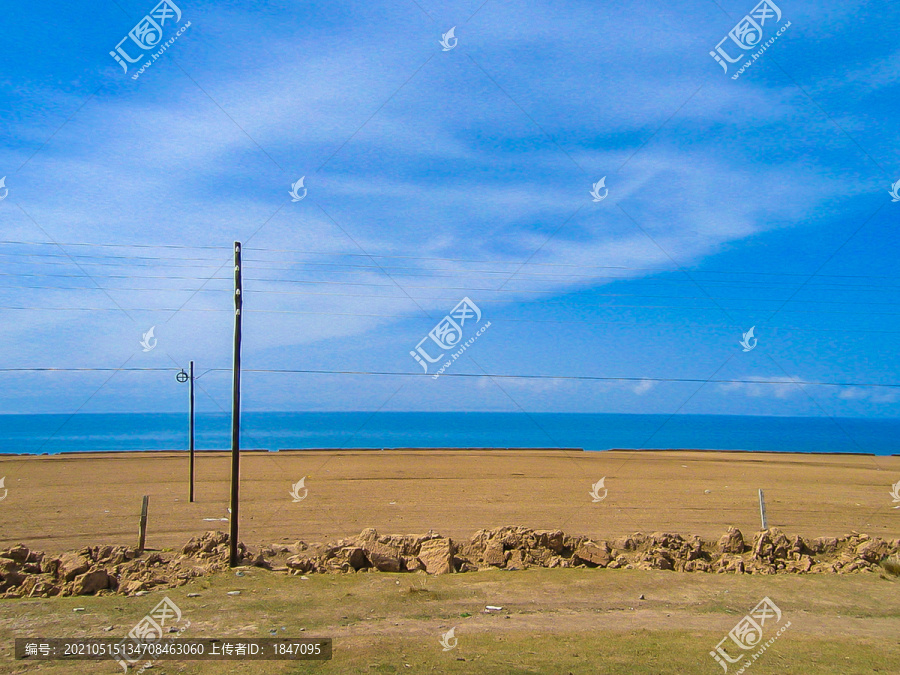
184,377
191,435
236,408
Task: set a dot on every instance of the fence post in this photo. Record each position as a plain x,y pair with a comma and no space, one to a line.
762,510
143,530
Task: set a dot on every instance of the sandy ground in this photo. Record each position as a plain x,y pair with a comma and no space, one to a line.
61,502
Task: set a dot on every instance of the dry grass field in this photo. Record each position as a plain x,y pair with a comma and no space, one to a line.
63,502
576,621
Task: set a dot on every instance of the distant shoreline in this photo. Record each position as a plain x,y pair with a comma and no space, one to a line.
281,432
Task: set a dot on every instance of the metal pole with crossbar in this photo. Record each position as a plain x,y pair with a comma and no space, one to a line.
236,408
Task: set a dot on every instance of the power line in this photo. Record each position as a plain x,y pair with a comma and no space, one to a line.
451,298
586,378
654,270
406,316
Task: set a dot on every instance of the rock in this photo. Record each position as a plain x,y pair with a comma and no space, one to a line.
368,535
798,546
552,539
10,574
494,555
354,556
72,565
337,565
515,560
463,565
470,551
665,540
205,543
804,564
826,545
511,539
736,565
697,566
872,551
38,587
571,544
658,559
771,545
91,582
694,549
731,542
437,556
412,564
259,560
555,561
19,553
50,566
630,543
406,544
592,554
383,557
300,563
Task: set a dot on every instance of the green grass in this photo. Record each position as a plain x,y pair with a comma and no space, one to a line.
559,621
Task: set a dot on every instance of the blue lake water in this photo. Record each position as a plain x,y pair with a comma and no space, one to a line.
277,430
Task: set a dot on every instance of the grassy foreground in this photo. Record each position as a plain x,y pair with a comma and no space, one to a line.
553,621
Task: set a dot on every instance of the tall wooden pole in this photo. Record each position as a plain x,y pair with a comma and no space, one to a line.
191,439
236,408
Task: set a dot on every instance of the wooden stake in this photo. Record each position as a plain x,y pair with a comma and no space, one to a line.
762,510
143,531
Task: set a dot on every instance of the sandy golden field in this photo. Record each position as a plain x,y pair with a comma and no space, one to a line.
62,502
575,621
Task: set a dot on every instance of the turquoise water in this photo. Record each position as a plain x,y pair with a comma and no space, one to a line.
273,431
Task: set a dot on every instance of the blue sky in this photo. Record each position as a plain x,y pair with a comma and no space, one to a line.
435,175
